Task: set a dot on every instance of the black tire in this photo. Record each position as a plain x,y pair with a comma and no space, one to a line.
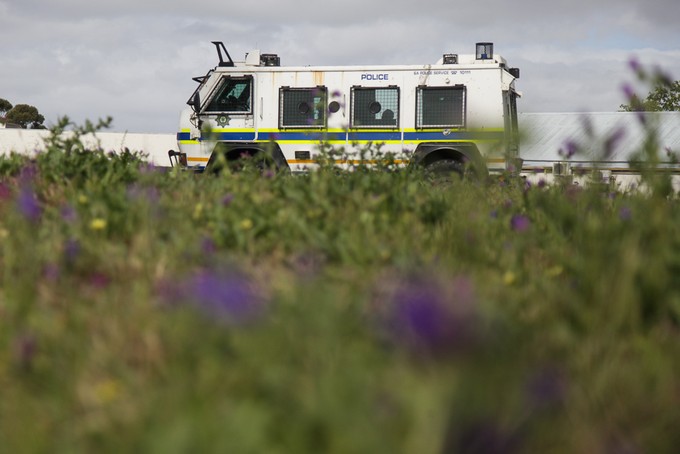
239,160
445,170
450,170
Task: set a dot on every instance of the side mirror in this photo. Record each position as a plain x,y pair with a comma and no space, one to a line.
195,102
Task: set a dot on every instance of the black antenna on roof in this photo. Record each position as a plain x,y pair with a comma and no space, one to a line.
220,47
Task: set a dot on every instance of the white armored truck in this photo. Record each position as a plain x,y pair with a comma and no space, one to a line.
458,111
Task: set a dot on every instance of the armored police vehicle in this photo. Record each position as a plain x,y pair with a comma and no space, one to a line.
458,111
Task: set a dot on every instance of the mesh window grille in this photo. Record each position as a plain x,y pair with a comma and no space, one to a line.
375,107
440,107
233,96
302,107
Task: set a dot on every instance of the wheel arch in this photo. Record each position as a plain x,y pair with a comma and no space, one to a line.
464,152
233,151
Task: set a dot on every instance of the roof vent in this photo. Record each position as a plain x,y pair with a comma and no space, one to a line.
484,51
450,59
270,60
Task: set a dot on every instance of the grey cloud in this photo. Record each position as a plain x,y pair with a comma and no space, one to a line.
134,59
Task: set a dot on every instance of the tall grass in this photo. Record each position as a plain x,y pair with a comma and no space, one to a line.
369,312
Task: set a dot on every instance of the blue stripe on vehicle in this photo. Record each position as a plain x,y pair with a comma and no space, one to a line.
236,136
226,136
452,135
369,136
374,136
302,136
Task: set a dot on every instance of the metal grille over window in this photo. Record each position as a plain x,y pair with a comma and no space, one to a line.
375,107
302,107
232,96
440,107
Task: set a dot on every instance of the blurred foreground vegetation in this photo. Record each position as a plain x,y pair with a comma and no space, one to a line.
365,312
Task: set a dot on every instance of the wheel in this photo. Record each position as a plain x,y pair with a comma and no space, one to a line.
445,170
448,169
239,160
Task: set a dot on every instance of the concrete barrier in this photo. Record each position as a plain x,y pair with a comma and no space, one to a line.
31,141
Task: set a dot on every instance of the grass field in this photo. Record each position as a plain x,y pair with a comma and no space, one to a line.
365,312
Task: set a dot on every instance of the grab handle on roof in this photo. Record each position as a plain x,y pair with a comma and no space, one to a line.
220,47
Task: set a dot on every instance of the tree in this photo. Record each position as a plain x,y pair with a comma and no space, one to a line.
5,106
25,116
665,96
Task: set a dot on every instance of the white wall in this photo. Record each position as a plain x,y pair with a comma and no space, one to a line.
30,141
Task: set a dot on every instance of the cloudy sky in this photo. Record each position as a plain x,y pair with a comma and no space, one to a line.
134,59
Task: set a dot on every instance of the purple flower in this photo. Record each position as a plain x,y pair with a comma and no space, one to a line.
142,193
431,318
28,205
480,437
546,387
71,250
634,64
569,149
28,174
520,223
5,192
99,280
230,296
51,272
629,92
208,246
625,214
25,349
148,168
227,199
308,264
221,295
68,214
612,141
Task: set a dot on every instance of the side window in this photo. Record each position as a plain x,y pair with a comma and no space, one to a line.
375,107
440,107
302,107
234,95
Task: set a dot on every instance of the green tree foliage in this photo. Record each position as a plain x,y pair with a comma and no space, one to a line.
25,116
664,96
5,106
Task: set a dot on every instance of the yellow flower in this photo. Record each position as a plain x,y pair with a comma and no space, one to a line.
554,271
98,224
198,210
4,233
82,199
509,278
107,391
246,224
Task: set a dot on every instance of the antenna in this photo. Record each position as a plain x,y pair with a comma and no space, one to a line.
220,47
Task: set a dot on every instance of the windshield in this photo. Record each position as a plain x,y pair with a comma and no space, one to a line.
233,95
